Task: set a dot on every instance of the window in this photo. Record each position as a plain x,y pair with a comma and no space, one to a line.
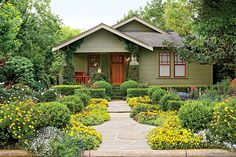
93,63
164,64
180,67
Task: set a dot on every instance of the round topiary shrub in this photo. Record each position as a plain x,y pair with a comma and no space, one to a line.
126,85
53,114
104,84
48,95
84,97
195,115
224,122
166,101
157,94
73,102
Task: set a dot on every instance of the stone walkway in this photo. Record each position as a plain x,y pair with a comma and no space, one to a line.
122,132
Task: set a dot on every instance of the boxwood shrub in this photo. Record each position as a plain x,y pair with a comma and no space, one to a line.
195,115
97,93
104,84
136,92
126,85
66,89
168,100
93,92
157,94
54,114
84,97
73,102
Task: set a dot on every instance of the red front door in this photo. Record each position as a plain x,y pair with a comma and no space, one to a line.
117,69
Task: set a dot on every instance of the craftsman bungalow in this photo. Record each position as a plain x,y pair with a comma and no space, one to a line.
104,49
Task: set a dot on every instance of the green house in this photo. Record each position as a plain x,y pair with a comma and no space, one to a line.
104,49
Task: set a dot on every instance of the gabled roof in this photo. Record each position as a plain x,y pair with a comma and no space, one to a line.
135,18
110,29
155,39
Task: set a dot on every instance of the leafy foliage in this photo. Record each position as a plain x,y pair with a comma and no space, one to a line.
215,26
157,94
104,84
195,115
74,103
18,69
224,123
53,114
171,14
136,92
126,85
165,103
30,31
9,26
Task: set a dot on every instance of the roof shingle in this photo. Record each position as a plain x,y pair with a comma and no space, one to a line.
155,39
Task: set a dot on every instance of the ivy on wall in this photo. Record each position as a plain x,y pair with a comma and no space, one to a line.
132,48
133,70
68,71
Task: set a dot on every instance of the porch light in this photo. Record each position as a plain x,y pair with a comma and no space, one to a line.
99,70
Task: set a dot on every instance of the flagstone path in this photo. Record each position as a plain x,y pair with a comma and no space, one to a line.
122,132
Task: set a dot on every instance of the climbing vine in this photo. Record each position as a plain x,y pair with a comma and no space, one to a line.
133,70
132,48
68,71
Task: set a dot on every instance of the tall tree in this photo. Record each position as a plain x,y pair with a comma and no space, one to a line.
37,34
171,14
215,43
66,33
10,22
178,16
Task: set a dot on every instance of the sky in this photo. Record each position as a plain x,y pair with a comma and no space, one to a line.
84,14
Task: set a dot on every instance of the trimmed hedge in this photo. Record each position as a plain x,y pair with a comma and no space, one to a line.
93,92
66,89
136,92
181,88
104,84
126,85
168,100
97,93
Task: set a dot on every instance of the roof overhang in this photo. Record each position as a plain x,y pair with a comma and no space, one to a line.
98,27
135,18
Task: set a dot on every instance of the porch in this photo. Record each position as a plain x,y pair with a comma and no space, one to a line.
113,64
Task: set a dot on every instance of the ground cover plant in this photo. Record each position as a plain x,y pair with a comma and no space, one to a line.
53,124
191,123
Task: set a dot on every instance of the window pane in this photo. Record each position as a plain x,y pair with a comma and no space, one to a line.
179,70
164,70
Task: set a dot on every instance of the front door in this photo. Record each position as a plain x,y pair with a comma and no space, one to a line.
117,69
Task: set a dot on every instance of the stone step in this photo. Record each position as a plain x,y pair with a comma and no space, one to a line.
161,153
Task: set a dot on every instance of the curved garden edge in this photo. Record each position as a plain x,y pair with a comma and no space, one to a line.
162,153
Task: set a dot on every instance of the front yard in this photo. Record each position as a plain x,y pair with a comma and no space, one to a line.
57,122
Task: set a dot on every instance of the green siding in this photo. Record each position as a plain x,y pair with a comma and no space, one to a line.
135,26
102,41
196,74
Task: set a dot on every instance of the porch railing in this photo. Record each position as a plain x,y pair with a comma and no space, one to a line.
82,79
